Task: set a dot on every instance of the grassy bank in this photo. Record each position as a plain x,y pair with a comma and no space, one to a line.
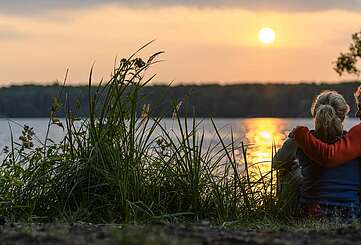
115,166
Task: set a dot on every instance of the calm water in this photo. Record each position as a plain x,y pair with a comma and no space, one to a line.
257,133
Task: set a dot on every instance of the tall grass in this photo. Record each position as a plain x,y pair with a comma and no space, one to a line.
121,164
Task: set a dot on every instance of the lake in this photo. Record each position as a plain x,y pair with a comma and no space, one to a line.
257,133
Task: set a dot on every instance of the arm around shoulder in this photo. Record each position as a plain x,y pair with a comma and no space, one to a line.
330,155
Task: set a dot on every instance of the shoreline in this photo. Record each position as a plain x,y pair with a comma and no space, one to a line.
83,233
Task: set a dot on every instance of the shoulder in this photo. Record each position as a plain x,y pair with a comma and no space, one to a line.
356,129
289,142
300,154
285,154
288,147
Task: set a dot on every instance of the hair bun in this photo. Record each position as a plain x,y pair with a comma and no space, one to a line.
329,110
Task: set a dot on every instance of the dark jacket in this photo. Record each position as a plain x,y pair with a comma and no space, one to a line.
338,186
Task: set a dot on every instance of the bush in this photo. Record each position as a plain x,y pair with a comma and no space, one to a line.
118,165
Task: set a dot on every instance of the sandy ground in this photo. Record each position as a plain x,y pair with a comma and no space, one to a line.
77,234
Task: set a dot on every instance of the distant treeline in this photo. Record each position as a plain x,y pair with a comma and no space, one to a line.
241,100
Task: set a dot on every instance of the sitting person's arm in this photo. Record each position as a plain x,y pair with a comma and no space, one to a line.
329,155
285,155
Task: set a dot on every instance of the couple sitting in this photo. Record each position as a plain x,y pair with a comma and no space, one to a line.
327,170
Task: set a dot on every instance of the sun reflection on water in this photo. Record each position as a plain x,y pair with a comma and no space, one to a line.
260,135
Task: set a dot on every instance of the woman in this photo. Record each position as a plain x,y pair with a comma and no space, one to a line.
331,155
324,192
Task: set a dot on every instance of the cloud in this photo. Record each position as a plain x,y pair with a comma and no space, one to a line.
35,6
9,33
278,5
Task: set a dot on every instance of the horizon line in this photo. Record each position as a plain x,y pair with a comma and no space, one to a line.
179,84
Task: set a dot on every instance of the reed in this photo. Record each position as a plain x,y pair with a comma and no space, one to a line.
120,164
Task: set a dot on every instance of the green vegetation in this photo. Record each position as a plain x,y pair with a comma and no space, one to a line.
113,166
239,100
120,164
347,62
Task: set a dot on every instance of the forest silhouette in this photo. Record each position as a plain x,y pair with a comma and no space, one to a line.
230,101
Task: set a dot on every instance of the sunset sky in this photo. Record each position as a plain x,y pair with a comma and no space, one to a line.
204,40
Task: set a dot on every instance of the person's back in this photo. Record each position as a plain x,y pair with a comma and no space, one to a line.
328,192
337,186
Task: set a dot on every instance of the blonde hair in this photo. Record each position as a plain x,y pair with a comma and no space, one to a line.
329,109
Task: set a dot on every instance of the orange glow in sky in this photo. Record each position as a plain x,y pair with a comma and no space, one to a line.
201,44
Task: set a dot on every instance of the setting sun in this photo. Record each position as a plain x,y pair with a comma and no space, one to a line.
266,35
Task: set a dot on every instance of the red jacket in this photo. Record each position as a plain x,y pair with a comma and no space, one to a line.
330,155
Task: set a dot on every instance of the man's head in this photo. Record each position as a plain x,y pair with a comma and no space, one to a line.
358,101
